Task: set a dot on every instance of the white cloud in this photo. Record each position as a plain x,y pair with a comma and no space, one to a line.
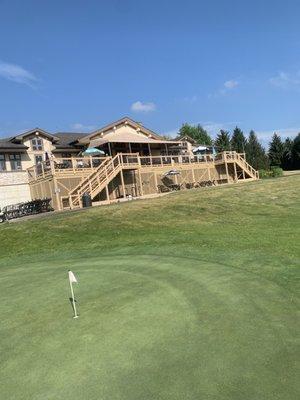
139,106
81,127
285,80
16,73
226,88
231,84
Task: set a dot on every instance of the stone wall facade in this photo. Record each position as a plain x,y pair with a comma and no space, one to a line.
14,187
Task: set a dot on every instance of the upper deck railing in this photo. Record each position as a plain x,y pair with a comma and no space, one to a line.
86,165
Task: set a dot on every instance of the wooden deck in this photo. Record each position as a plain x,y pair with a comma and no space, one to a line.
69,178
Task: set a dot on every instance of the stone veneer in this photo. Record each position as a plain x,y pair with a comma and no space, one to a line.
14,187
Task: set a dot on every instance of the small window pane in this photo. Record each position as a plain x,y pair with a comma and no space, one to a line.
2,162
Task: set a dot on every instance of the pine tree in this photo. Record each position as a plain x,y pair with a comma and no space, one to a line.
287,158
197,132
296,152
276,151
255,153
238,141
222,141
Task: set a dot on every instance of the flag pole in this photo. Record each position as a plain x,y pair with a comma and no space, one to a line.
73,300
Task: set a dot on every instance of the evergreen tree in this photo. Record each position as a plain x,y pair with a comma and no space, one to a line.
287,158
276,151
222,141
255,153
238,141
197,132
296,152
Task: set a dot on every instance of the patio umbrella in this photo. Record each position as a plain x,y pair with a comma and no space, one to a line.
92,151
171,172
199,148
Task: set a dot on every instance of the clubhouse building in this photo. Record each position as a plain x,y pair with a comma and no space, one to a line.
133,161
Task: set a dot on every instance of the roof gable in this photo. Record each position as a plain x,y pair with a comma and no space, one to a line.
102,132
19,138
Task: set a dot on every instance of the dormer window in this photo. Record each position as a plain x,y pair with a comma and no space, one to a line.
37,144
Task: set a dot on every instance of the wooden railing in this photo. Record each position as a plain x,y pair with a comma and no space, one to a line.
87,166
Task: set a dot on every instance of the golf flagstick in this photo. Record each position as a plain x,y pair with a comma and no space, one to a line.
72,280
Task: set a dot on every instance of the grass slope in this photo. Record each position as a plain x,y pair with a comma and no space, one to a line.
189,296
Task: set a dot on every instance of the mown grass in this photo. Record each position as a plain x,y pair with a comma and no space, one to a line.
193,295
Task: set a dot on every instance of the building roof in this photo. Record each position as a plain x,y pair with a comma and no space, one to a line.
123,121
186,138
68,139
20,137
7,144
127,137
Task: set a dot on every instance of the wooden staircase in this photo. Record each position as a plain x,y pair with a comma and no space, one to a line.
94,183
239,160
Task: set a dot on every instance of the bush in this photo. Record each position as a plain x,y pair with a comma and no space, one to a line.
274,172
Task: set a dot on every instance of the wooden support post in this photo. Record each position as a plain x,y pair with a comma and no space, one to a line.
109,149
107,193
155,182
226,168
123,185
193,175
208,173
56,190
141,182
149,149
235,173
166,147
130,150
244,174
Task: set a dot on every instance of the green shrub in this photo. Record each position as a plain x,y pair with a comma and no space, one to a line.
274,172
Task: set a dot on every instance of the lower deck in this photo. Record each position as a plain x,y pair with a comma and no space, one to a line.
131,176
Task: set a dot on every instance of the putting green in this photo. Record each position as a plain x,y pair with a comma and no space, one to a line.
150,327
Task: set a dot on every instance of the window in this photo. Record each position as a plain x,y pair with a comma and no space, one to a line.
38,159
37,144
2,162
15,162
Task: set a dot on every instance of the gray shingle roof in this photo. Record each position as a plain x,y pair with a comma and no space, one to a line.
6,143
68,139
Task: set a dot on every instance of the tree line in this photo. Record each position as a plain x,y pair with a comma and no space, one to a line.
284,154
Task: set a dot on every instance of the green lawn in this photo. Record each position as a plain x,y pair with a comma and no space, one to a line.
189,296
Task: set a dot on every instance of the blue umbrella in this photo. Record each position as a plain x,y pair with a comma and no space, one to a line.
92,151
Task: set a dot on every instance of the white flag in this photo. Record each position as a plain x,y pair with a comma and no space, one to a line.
72,277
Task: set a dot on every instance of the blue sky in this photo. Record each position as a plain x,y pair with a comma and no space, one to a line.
77,65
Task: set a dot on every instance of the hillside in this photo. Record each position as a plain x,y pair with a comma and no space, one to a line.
192,295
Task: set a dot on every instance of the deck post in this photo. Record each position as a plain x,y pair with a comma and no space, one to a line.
155,182
56,191
208,173
193,175
141,182
235,173
107,193
226,168
123,185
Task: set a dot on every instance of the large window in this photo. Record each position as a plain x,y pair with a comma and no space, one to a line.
2,162
37,144
15,162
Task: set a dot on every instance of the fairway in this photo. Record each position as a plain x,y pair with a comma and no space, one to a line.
190,296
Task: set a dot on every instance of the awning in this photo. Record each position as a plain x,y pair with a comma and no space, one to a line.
128,137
